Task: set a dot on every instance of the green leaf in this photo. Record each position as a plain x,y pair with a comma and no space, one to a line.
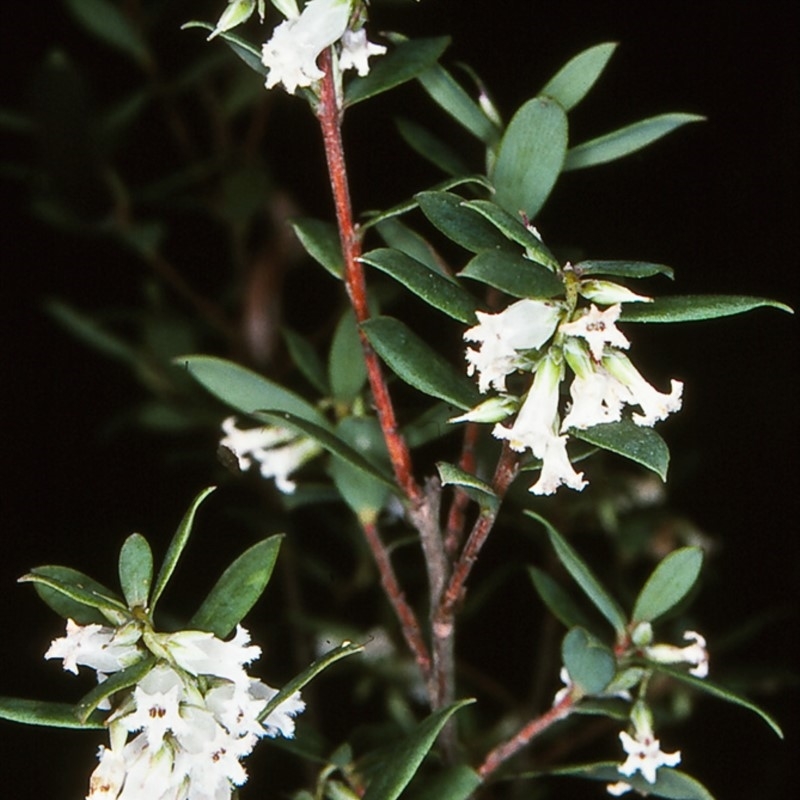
246,391
237,589
449,95
305,358
347,371
410,358
474,487
431,147
432,287
530,157
65,606
400,237
327,440
626,140
715,690
458,782
583,576
558,601
447,212
429,426
321,241
78,588
623,269
40,712
91,332
670,783
668,584
512,228
513,274
136,570
364,494
574,80
408,755
408,60
104,20
635,442
246,51
692,307
113,683
307,675
590,664
176,546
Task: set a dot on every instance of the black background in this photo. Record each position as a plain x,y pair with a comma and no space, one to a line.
714,200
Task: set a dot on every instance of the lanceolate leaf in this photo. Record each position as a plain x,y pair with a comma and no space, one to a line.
688,308
176,546
408,60
306,360
475,488
636,442
530,156
432,287
623,269
246,51
136,570
452,783
670,783
400,237
245,390
432,148
626,140
583,576
64,605
407,756
561,605
238,589
512,227
347,372
448,213
574,80
327,440
321,241
590,664
513,274
668,584
410,358
52,715
114,683
105,20
707,686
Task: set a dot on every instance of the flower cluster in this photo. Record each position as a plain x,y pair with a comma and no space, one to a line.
544,337
291,54
278,451
194,716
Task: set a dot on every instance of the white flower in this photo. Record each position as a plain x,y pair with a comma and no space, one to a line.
695,654
108,777
157,697
101,648
356,51
598,328
278,451
536,426
291,54
619,788
524,325
202,653
653,403
645,755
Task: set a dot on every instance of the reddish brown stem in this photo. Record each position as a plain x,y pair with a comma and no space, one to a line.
329,116
409,624
524,736
454,534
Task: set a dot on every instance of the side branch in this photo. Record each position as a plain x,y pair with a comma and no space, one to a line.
329,116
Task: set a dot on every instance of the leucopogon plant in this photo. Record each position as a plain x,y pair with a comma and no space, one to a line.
546,379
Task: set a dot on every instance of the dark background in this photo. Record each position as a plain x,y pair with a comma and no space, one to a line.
714,200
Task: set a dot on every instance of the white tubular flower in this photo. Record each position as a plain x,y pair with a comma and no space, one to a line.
108,777
96,646
598,329
606,293
695,654
654,404
157,697
535,429
356,51
645,755
644,750
524,325
278,451
597,398
291,54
